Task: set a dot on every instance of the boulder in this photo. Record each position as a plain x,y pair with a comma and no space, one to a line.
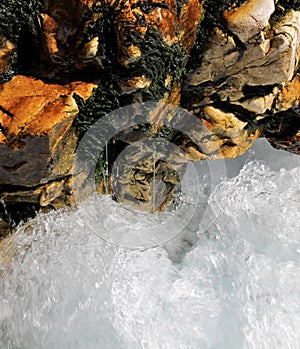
37,142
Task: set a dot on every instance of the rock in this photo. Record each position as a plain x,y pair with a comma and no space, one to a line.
283,131
5,228
289,143
82,59
144,178
37,143
7,49
289,96
287,40
258,105
217,135
44,194
270,59
250,80
7,251
79,36
63,27
249,19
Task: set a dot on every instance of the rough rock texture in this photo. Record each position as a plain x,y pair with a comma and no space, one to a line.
65,64
35,123
248,73
250,19
37,143
139,49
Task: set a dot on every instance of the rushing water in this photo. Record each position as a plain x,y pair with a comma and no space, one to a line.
230,278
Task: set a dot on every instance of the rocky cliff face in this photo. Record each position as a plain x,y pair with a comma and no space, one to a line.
64,65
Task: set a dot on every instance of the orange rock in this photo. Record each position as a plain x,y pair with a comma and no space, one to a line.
174,27
37,142
289,97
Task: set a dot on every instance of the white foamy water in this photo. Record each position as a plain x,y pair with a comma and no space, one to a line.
230,279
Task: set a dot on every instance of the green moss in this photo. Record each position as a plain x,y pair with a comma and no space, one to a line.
18,17
104,28
105,99
18,23
157,62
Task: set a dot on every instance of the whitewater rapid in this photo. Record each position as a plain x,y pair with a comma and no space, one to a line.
103,276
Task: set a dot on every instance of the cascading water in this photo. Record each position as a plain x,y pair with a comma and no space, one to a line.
231,283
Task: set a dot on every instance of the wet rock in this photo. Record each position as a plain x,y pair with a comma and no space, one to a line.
289,143
283,130
243,84
248,70
145,178
63,28
217,135
37,142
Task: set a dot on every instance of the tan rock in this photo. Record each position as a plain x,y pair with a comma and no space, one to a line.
7,251
249,19
220,47
267,61
258,105
230,133
217,135
43,194
31,195
4,229
135,83
143,177
235,74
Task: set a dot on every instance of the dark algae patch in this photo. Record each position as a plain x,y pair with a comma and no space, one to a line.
18,23
158,60
283,7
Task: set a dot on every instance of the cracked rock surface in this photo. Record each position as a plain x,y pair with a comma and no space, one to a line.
234,65
249,70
